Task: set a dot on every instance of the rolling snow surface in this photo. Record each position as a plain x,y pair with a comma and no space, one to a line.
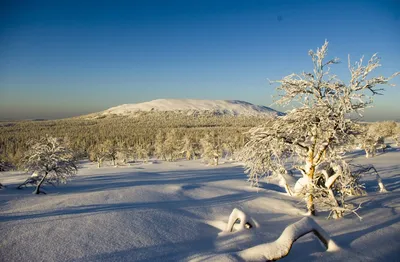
228,107
178,211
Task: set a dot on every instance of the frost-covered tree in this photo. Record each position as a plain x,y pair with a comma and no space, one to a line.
172,147
212,147
374,135
159,147
232,144
371,139
111,150
4,166
51,160
397,135
97,154
387,130
143,151
190,147
313,137
108,150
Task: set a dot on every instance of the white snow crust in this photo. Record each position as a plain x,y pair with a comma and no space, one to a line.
226,107
178,211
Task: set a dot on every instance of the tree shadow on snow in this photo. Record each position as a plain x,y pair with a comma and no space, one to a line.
120,180
162,205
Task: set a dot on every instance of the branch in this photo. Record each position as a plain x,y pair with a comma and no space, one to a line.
281,247
242,217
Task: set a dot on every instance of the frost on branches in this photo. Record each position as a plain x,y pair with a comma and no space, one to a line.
50,160
313,137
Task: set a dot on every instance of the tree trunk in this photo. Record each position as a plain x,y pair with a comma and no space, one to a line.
366,153
310,205
37,190
382,187
310,175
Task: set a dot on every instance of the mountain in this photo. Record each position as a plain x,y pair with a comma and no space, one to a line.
194,106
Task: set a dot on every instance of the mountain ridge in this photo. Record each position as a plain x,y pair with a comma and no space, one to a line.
193,106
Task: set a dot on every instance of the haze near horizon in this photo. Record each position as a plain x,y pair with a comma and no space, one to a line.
62,59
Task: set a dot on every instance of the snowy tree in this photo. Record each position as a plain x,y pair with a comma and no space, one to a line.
111,150
232,144
212,147
97,154
397,135
387,129
313,137
108,150
4,166
374,135
159,145
51,160
190,147
371,140
143,151
172,147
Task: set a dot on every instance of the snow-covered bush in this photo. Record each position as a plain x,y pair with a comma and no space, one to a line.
313,137
51,160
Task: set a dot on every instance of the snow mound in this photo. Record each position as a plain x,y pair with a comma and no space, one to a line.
193,106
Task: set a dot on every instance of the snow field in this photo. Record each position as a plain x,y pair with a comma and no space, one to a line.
179,211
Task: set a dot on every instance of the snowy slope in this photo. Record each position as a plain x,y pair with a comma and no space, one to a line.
228,107
177,212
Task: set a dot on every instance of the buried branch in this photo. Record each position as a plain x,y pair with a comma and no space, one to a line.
282,246
239,215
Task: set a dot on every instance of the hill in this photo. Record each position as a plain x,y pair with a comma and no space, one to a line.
193,107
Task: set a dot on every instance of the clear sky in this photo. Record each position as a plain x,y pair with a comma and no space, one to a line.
66,58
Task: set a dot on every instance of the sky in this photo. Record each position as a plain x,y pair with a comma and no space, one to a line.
67,58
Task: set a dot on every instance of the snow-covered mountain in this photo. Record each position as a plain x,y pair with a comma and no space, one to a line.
194,106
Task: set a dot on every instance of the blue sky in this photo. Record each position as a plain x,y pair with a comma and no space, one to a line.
66,58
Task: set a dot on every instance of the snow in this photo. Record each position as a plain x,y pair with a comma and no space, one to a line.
230,107
178,211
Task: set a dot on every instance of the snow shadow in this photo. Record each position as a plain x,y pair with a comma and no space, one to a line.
165,252
125,179
346,239
119,180
166,205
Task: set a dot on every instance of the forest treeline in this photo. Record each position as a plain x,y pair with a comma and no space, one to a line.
166,135
163,135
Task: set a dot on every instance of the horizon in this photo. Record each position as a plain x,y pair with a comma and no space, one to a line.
73,58
113,107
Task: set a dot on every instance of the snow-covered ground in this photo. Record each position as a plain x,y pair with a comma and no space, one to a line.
178,212
229,107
